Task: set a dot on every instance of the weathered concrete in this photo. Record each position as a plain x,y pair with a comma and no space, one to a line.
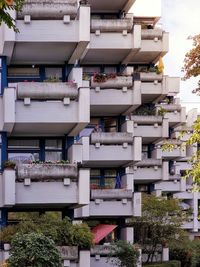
150,76
118,82
50,171
47,90
111,138
111,25
111,194
150,34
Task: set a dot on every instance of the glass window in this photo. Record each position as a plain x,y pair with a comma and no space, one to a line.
23,144
109,70
23,157
53,155
53,144
23,72
110,125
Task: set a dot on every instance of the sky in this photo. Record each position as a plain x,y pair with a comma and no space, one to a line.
181,18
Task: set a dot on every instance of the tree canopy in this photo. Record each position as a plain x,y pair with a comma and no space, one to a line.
192,62
5,7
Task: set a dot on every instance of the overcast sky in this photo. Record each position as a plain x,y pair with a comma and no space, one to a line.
181,18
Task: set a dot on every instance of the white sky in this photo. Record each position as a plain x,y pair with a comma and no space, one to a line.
181,18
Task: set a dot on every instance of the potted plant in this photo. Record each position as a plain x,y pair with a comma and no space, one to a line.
9,165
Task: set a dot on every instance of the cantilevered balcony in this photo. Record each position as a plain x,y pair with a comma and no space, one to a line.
155,87
46,108
111,203
48,33
154,44
39,185
149,170
114,97
176,153
150,128
105,6
106,150
171,186
174,113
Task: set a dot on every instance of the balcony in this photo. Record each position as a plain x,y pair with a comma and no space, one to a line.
171,186
111,203
71,256
106,150
39,185
104,6
174,113
114,96
150,170
155,87
45,109
177,153
154,44
48,33
150,128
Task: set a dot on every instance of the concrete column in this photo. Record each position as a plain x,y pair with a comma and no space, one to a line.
84,186
127,234
8,188
8,109
165,254
84,258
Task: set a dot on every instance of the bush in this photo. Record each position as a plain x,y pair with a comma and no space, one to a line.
165,264
33,250
124,254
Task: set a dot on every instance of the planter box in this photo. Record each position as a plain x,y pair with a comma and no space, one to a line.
150,76
150,34
47,171
111,194
47,90
48,9
111,25
146,119
111,138
117,83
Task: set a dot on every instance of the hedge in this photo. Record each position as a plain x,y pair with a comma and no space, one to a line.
165,264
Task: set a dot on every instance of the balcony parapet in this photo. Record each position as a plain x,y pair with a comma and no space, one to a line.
68,252
111,138
152,34
150,77
147,119
47,90
46,171
111,194
103,250
149,163
111,25
48,9
170,107
119,82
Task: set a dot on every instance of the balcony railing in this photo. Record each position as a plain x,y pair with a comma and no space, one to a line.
46,9
152,34
119,82
111,25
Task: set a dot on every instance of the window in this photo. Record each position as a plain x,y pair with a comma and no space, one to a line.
26,72
110,124
53,149
53,73
103,179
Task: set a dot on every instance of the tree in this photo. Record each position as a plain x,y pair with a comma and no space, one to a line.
5,17
192,62
33,250
159,225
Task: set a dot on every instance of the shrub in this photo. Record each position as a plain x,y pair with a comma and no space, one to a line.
123,254
33,250
165,264
8,164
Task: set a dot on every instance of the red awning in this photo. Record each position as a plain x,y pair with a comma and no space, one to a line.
102,230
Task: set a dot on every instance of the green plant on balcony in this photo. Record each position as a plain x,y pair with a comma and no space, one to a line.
9,165
52,79
145,110
162,112
49,162
103,77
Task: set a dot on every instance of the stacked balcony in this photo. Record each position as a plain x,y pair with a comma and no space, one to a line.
45,185
31,108
45,28
106,150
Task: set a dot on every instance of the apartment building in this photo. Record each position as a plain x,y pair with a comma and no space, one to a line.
79,88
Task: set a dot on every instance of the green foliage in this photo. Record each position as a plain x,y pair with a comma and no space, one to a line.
124,254
192,62
188,253
8,164
5,17
33,250
62,232
166,264
162,112
145,110
159,224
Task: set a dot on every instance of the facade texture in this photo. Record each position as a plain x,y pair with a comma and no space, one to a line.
78,83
